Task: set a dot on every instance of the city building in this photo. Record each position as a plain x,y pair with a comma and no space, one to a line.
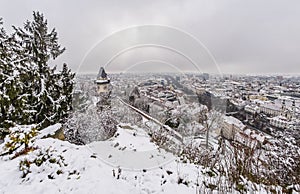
231,126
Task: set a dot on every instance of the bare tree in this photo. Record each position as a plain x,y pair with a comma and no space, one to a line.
85,127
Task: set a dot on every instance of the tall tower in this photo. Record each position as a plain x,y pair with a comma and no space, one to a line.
102,82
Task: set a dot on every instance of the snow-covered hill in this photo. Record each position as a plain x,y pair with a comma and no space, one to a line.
127,163
88,171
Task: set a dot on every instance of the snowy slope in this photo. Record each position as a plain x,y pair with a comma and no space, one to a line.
87,172
126,163
93,176
131,149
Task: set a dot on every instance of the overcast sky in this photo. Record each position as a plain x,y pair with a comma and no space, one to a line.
249,36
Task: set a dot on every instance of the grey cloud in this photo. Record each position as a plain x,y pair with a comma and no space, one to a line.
250,36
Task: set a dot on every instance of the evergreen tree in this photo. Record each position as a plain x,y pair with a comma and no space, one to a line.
9,86
67,86
4,67
40,46
31,91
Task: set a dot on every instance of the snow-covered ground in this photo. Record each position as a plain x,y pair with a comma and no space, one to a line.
89,169
130,149
127,163
93,176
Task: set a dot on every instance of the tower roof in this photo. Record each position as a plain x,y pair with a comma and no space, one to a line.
102,77
102,74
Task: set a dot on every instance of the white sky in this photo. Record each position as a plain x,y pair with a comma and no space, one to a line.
249,36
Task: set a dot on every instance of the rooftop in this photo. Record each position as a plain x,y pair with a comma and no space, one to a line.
102,74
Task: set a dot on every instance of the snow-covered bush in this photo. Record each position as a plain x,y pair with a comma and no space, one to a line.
43,160
283,160
20,140
89,126
160,137
34,159
196,155
274,167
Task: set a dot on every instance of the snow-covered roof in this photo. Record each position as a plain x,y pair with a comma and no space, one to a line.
280,118
233,121
102,77
271,106
254,135
102,74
